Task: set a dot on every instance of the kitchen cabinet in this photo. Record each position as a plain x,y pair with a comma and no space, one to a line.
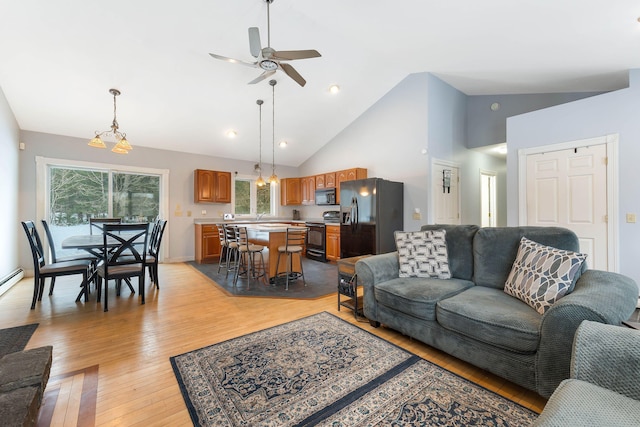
290,192
212,186
207,243
320,181
329,180
333,242
308,184
348,175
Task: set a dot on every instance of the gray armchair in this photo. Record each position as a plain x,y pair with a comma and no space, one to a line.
604,388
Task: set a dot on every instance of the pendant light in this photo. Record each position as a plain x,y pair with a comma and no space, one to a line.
273,179
260,181
122,146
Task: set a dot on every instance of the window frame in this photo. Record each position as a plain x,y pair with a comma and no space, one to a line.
42,183
273,197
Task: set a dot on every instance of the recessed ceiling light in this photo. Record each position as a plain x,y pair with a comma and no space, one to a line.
334,89
282,144
232,133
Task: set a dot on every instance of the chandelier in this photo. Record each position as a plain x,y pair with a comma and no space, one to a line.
122,145
273,179
260,181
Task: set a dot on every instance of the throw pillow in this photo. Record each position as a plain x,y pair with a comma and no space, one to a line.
541,275
423,254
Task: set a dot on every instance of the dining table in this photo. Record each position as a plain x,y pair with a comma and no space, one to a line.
92,243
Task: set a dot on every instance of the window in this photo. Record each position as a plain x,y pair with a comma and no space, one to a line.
253,200
69,193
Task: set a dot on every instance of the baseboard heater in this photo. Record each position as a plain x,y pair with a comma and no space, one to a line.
7,282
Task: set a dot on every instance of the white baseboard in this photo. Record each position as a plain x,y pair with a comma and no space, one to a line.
9,283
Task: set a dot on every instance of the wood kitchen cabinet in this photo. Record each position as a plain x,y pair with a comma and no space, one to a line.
308,184
333,242
348,175
290,192
329,180
207,243
320,182
212,186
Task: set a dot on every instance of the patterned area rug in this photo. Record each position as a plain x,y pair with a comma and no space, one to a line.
16,338
321,277
321,370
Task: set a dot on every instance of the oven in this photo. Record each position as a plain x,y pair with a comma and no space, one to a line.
316,241
316,236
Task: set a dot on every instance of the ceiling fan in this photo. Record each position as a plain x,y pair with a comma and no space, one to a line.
268,59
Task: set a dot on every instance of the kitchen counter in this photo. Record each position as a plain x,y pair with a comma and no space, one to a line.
251,221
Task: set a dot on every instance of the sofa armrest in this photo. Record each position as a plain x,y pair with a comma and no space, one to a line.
371,271
608,356
599,296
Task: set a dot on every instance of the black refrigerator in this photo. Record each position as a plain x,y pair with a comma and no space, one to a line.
371,210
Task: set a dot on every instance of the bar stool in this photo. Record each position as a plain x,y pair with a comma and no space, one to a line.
247,253
224,247
232,248
295,240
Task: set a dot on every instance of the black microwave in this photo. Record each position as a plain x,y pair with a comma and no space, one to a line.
326,196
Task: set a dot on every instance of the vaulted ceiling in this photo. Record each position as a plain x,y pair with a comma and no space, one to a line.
58,60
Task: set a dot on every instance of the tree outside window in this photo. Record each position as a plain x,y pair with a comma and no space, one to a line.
251,199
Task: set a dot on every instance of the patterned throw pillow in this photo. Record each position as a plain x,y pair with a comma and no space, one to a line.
541,275
423,254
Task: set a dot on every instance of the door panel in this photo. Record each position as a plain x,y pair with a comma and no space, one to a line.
446,202
568,188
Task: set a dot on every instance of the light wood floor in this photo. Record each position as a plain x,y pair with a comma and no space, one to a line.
113,368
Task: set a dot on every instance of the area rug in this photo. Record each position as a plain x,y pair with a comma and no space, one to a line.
321,370
16,338
321,278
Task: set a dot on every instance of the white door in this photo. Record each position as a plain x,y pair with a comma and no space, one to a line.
568,189
445,191
488,198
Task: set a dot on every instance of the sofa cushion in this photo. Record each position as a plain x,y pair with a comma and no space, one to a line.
541,274
422,254
492,317
495,249
459,247
417,296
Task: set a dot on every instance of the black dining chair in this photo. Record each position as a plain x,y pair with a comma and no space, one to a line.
76,257
97,223
153,252
124,261
42,270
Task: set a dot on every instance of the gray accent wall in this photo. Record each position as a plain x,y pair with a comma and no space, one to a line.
609,113
10,228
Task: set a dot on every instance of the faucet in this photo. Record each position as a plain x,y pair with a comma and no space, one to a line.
259,216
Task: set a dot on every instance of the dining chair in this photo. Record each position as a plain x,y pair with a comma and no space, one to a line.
153,252
247,262
54,258
125,261
295,239
42,270
97,223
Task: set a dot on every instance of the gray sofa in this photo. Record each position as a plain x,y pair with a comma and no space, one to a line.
604,389
470,316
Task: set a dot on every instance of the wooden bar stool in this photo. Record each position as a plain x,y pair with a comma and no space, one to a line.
248,264
295,240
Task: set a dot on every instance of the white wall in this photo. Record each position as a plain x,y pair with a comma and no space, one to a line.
180,232
10,228
614,112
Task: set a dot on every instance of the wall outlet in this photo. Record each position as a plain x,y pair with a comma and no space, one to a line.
417,216
203,212
631,217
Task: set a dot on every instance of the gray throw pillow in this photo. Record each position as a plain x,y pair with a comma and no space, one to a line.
423,254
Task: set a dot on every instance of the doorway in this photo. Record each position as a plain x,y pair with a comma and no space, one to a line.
445,192
488,203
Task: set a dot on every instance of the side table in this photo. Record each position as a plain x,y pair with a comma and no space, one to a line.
348,285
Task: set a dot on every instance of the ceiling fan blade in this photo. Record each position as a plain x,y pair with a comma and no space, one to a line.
291,72
235,61
254,41
262,76
296,54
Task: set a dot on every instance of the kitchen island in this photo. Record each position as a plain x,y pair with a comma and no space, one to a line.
271,235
